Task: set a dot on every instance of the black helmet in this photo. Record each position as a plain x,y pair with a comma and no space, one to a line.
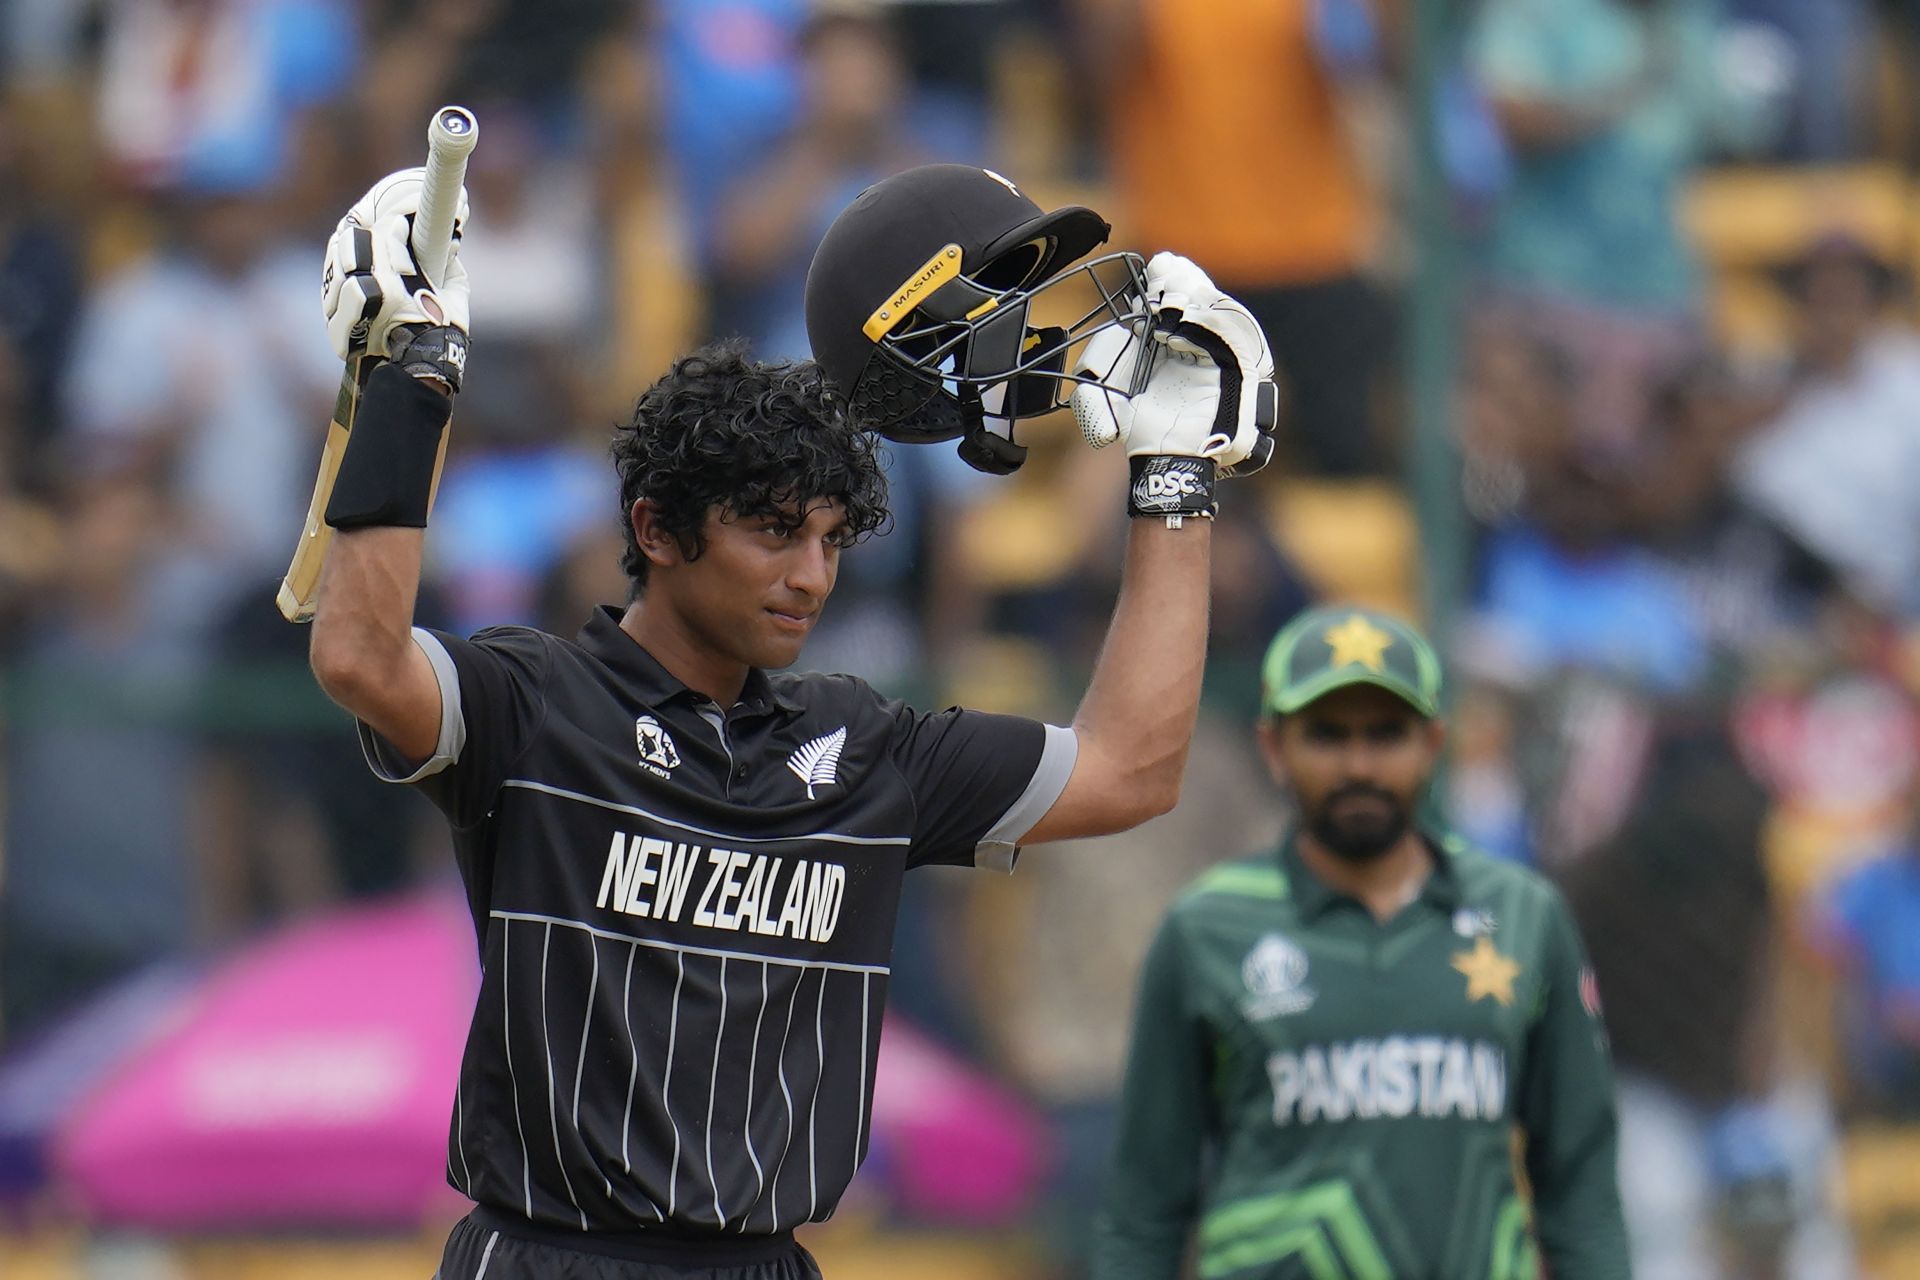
918,307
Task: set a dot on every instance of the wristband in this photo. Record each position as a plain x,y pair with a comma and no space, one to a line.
1170,485
386,475
430,351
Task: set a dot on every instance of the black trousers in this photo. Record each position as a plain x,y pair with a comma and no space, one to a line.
488,1245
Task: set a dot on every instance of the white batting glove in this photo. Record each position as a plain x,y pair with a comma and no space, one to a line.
376,300
1210,393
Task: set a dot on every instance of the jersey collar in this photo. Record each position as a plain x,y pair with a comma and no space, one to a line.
642,672
1312,895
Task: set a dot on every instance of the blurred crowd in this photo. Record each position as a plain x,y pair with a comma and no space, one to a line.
1686,411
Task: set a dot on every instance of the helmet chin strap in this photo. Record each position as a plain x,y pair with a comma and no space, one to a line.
991,411
988,443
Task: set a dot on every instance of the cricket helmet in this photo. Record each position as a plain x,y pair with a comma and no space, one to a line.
920,308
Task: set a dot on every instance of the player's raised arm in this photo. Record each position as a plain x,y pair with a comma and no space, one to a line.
924,303
1207,410
362,650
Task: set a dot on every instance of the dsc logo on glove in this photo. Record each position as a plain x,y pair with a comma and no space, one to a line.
1170,484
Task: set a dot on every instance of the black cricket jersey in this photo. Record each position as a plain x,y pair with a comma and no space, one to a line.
685,915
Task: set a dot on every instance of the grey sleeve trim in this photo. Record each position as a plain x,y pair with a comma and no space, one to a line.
1000,846
387,764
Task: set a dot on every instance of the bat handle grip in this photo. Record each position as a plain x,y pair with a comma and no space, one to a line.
450,138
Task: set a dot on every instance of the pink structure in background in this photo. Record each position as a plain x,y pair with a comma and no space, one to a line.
953,1146
309,1083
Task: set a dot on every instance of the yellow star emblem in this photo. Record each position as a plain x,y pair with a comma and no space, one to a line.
1488,972
1357,640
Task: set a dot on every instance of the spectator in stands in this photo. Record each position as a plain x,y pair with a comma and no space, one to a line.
1870,931
1838,467
536,238
1228,138
1825,52
30,532
99,760
233,439
522,484
39,293
1750,583
850,133
288,824
950,47
1567,588
203,92
730,88
1726,1146
1867,926
546,59
1606,106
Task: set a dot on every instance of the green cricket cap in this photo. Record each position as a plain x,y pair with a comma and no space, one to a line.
1334,646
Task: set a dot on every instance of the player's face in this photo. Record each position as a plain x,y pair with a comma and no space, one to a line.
1356,760
756,591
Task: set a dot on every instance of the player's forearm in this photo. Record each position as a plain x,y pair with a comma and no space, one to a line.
362,649
1138,714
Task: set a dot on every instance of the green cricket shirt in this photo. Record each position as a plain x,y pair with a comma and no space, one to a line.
1311,1093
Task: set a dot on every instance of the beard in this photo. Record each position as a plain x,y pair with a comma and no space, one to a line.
1363,836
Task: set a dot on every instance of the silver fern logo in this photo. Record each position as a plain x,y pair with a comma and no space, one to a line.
817,763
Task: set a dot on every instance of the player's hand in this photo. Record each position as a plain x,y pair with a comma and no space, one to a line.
378,303
1210,391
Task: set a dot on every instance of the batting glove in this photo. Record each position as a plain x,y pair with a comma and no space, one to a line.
1209,406
376,300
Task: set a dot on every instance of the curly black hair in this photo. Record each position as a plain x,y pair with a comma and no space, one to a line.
721,430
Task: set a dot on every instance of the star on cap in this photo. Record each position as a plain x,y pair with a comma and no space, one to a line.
1488,972
1357,640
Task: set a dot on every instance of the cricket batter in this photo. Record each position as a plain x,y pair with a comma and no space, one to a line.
684,866
1337,1039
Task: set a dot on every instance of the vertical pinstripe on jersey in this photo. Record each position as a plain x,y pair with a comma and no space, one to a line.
633,1073
633,1076
486,1256
860,1130
460,1141
786,1142
537,798
666,1085
736,1206
553,1114
513,1080
580,1066
813,1107
713,1092
746,1129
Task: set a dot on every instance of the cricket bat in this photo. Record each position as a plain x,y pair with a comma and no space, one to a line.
450,138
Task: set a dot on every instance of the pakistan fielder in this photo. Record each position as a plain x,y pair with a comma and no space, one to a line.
1341,1044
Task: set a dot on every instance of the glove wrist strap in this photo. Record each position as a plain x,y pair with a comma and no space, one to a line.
386,474
430,351
1170,485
